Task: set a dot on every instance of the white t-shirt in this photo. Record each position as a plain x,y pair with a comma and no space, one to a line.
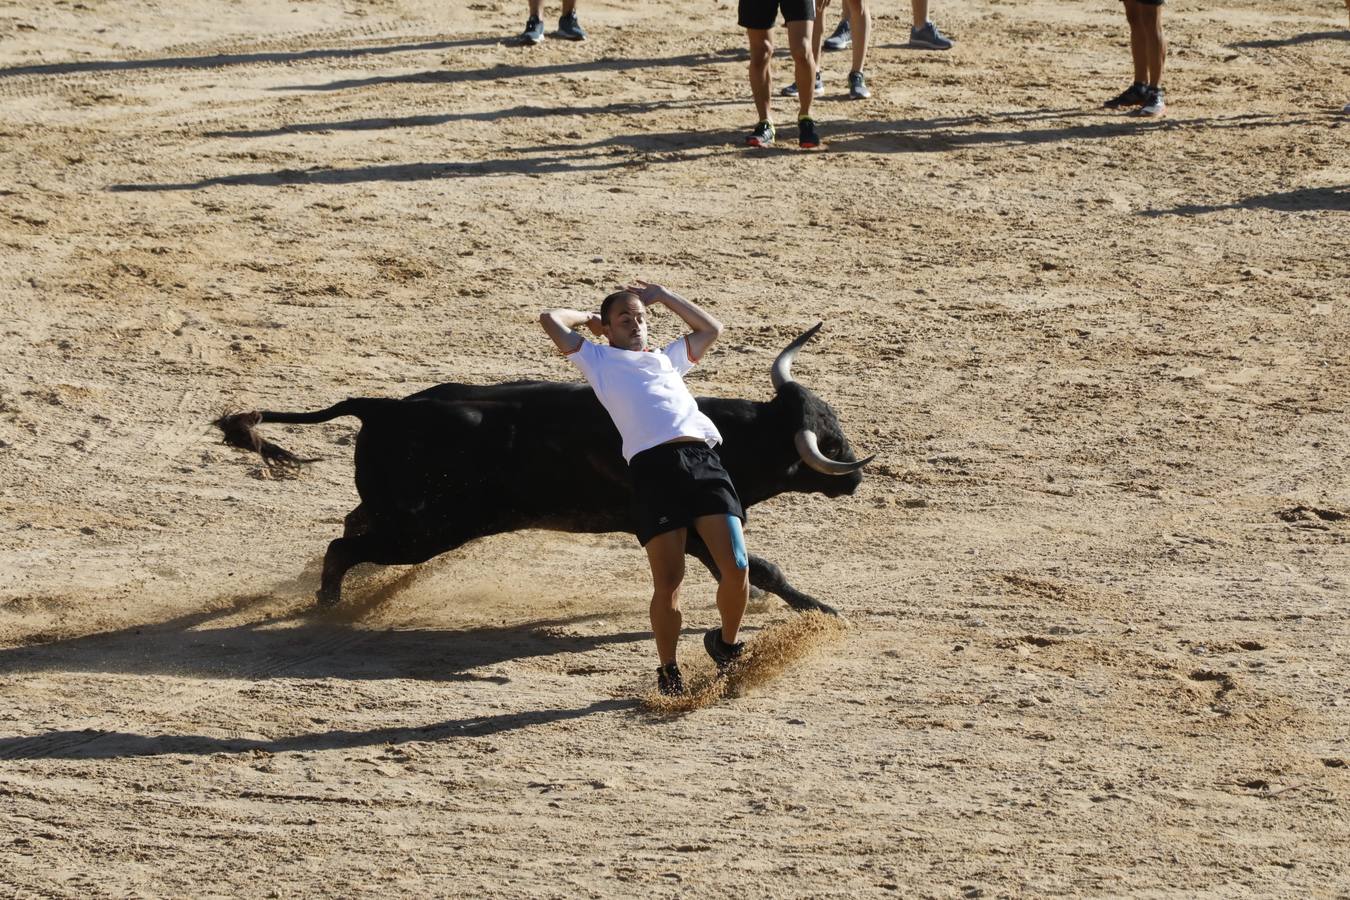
644,394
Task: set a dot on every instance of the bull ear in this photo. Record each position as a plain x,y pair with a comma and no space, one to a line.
781,372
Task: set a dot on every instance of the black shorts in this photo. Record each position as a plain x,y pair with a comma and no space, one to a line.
762,14
1150,2
674,484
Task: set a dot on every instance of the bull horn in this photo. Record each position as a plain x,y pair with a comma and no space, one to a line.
808,448
781,373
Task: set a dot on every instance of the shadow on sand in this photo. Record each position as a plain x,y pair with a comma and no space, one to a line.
642,149
493,115
1333,199
221,60
1308,37
308,645
94,744
506,71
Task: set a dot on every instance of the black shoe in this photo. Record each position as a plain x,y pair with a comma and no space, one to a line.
842,38
807,138
534,31
762,136
669,681
1134,95
722,653
570,28
857,86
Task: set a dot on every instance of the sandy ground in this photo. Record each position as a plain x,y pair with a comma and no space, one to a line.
1096,580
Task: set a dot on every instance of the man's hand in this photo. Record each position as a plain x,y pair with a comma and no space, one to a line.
647,292
595,325
705,328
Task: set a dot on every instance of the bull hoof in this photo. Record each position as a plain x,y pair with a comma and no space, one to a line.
327,599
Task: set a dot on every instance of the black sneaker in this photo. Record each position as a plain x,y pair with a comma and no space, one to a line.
807,138
857,86
570,29
534,31
722,653
842,38
1134,95
762,136
669,681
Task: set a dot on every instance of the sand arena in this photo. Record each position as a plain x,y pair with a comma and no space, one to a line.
1095,582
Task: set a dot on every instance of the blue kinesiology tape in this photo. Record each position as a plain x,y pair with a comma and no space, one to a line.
738,543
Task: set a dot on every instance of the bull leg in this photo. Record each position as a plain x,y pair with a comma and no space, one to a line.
383,548
343,553
766,575
357,522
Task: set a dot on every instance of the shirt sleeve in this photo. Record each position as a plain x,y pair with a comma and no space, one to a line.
586,358
677,351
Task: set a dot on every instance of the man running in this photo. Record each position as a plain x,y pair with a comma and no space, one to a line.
568,26
678,478
757,17
1148,49
923,33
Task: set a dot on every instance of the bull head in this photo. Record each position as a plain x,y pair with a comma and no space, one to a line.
805,440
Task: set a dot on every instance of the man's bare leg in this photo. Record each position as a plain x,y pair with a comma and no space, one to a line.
860,20
761,54
818,29
1155,45
665,554
1138,46
733,566
799,42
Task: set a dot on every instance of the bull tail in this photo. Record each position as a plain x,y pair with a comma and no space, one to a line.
239,430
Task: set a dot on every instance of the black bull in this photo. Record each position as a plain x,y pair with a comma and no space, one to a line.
456,462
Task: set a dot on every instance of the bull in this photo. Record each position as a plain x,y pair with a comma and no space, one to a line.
456,462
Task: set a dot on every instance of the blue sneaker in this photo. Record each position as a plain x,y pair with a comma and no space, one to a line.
791,89
570,29
857,86
842,38
929,38
534,31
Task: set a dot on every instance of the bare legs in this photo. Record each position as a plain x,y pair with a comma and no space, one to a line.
804,64
859,16
665,553
1148,47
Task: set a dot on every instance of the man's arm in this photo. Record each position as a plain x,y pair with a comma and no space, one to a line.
706,329
561,325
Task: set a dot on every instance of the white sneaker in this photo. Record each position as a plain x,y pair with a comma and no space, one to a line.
1155,105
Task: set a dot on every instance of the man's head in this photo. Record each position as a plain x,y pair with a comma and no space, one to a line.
625,321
